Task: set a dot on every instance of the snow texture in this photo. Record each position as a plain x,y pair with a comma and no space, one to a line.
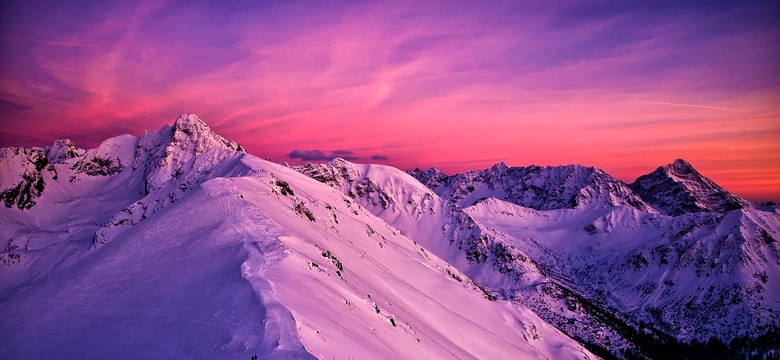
177,244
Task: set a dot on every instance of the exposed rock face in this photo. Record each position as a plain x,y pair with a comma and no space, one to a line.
24,172
162,155
677,189
432,178
536,187
171,151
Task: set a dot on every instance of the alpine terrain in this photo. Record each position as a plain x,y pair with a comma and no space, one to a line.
179,244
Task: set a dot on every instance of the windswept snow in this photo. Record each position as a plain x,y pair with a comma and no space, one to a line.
605,268
193,249
178,244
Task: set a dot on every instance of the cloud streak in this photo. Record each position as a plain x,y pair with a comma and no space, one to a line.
457,86
688,105
319,155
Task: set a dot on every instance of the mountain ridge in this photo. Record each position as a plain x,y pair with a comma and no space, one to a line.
575,256
200,250
643,237
674,189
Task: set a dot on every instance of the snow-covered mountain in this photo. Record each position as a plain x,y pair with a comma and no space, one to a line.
177,244
691,277
585,252
504,269
536,187
677,189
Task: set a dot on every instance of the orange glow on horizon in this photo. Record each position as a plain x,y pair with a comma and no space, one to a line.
435,84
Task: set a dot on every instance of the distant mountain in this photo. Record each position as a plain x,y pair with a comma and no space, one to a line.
607,271
432,178
177,244
677,189
540,188
704,273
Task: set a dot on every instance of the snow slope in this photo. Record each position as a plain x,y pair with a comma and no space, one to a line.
452,233
182,245
177,244
695,276
607,269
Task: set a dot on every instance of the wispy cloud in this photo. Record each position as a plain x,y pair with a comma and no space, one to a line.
688,105
319,155
422,84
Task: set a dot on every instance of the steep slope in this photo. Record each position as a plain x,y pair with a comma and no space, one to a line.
170,162
169,287
224,255
696,277
541,188
26,172
677,189
68,195
505,270
625,280
51,220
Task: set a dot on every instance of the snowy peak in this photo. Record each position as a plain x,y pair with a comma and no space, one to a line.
169,153
26,173
62,150
188,136
677,189
500,167
267,239
680,166
190,128
374,185
541,188
192,135
171,161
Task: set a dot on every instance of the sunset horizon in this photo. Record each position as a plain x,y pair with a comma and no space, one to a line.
622,87
293,179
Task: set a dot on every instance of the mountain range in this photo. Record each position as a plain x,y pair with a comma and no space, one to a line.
179,244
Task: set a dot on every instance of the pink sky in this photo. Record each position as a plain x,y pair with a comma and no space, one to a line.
623,87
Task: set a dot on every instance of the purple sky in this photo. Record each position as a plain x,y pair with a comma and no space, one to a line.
624,86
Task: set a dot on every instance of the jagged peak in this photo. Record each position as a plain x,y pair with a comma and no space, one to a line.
168,153
192,126
191,132
429,171
679,170
541,188
500,166
61,150
63,143
678,188
681,162
339,162
431,178
190,123
680,166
